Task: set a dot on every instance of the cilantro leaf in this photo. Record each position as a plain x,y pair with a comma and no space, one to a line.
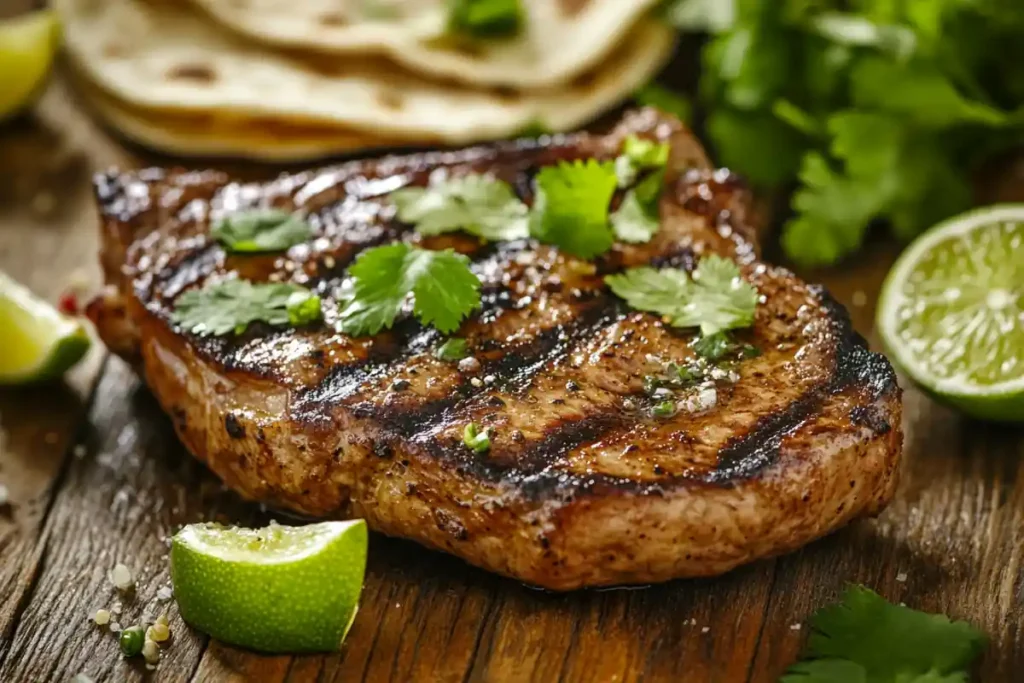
477,204
232,305
633,222
863,628
571,207
717,346
443,288
485,18
260,230
453,349
865,639
715,298
482,206
643,153
668,101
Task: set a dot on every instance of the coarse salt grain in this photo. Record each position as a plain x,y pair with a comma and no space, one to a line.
901,577
151,652
5,495
705,629
79,451
116,608
794,627
476,382
469,364
121,577
115,627
164,594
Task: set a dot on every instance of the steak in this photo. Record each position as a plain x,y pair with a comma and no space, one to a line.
582,485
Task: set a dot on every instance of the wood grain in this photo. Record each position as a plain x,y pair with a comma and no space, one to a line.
950,541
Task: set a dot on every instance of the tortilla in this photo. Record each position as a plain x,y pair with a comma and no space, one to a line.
201,135
560,39
166,57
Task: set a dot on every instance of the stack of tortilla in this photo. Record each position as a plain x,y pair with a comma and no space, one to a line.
299,79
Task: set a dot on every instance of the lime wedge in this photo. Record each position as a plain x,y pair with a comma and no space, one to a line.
27,46
951,312
276,589
36,343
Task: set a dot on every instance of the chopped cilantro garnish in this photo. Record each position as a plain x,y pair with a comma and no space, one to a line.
643,153
485,18
231,305
865,639
259,230
476,439
453,349
716,298
664,409
636,219
443,287
477,204
571,207
720,345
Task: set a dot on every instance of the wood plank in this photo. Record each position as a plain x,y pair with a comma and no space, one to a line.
45,242
117,503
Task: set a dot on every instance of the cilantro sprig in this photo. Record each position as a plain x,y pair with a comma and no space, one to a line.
230,306
865,639
876,110
260,230
715,298
571,207
443,288
482,206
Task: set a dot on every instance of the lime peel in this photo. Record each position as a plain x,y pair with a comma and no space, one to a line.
276,589
27,47
951,312
38,342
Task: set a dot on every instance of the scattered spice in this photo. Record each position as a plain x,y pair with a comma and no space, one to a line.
121,577
131,641
102,617
151,652
158,632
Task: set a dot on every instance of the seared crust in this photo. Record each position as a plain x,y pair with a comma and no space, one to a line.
581,487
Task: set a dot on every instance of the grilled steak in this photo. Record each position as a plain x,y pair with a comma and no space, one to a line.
582,485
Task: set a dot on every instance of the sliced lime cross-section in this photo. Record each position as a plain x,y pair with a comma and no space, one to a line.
276,589
37,343
951,312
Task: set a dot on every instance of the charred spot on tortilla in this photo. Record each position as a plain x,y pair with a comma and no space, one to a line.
390,99
333,19
200,73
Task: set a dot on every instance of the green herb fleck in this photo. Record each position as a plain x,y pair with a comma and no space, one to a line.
571,207
443,288
477,440
452,350
131,641
715,298
643,153
664,409
485,18
482,206
260,230
866,639
232,305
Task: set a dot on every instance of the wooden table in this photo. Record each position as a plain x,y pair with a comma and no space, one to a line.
97,477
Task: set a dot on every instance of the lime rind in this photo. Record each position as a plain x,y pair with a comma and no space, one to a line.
37,343
28,44
279,589
951,312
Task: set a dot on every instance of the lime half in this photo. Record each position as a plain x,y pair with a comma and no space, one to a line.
276,589
951,312
27,46
36,342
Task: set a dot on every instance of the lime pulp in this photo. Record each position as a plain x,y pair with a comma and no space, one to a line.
951,312
27,46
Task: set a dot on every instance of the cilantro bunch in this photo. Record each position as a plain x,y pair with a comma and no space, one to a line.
876,110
